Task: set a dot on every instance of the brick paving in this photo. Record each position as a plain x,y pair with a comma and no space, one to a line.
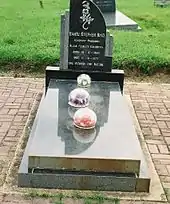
152,107
16,99
151,103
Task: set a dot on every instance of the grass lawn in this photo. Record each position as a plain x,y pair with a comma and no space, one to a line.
30,36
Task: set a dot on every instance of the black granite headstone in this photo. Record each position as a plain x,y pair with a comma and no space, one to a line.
87,37
106,5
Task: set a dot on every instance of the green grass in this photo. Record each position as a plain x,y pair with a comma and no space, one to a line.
149,49
30,36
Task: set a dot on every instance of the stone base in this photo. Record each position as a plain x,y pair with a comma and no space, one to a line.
77,181
120,21
81,180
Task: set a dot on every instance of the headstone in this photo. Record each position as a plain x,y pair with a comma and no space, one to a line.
106,5
87,38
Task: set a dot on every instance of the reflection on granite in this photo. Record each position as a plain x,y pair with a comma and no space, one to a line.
99,102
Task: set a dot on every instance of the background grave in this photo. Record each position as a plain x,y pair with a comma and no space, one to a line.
114,18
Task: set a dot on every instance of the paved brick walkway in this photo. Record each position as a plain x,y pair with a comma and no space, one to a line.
16,99
152,107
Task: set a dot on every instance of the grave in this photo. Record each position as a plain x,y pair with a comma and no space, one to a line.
106,5
161,3
60,155
114,18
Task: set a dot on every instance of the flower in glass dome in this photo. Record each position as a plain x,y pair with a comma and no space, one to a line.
85,118
79,98
83,80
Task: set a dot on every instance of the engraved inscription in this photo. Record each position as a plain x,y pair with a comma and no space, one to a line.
87,49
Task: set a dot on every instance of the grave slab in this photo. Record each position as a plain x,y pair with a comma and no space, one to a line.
114,18
69,180
79,180
118,20
57,144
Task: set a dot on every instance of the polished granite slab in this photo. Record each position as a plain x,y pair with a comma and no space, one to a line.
63,179
118,20
112,147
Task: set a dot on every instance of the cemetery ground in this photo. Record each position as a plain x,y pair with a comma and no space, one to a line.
149,103
29,36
